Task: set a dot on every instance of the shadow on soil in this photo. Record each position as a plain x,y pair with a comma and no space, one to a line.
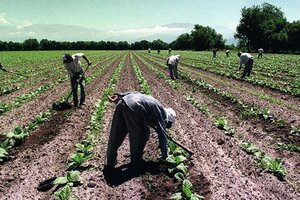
126,172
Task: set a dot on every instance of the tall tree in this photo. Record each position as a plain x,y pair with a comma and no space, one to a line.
203,38
294,36
262,26
183,42
31,44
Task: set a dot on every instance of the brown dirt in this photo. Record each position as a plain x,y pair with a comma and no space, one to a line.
219,169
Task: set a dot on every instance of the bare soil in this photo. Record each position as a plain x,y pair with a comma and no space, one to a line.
219,168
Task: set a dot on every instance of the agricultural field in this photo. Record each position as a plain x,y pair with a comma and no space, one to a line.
244,133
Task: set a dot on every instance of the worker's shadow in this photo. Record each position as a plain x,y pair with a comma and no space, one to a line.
126,172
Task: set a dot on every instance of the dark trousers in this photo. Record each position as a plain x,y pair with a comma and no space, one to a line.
74,86
126,121
173,71
248,68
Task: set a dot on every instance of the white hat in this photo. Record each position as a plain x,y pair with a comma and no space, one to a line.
171,115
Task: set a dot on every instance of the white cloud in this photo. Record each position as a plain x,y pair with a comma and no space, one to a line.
24,24
3,19
149,30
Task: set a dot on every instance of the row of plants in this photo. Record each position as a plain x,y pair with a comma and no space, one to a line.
249,109
266,162
221,122
18,135
244,90
177,156
38,77
84,150
292,86
24,98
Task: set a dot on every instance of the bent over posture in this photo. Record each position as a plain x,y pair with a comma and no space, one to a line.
134,114
73,66
247,60
172,63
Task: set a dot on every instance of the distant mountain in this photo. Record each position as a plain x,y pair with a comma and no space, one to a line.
59,32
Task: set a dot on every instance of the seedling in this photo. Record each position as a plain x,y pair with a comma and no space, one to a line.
187,192
3,154
222,124
77,159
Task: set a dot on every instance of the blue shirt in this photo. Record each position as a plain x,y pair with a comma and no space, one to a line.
153,112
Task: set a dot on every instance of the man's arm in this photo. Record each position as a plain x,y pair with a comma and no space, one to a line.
162,139
85,58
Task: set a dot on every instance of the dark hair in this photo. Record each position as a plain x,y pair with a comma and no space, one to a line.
67,58
239,54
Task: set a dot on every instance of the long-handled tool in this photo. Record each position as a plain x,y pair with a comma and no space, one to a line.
181,146
65,104
5,70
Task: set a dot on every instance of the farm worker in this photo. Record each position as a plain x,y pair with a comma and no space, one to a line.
73,66
247,60
260,52
158,51
215,52
134,114
149,50
170,50
172,63
227,52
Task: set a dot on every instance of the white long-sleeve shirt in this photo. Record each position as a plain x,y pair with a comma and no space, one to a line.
75,66
244,58
173,60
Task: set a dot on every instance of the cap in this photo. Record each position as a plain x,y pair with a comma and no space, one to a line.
171,115
66,57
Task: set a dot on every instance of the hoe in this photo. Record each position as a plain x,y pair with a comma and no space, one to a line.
7,71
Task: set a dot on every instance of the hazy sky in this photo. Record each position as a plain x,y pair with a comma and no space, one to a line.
132,14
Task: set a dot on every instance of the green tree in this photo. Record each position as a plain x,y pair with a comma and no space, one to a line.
262,26
159,44
183,42
203,38
294,36
31,44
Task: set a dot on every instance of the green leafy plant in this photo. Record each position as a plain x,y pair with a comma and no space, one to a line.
187,192
84,148
3,154
222,124
18,134
77,159
71,178
65,194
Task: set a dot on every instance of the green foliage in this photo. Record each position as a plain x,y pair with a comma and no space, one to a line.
222,124
262,26
65,194
266,162
77,159
187,192
290,147
3,154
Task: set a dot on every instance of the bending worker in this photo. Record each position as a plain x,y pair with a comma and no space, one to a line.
247,60
73,66
134,114
172,63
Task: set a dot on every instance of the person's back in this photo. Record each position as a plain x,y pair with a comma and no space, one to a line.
173,60
244,58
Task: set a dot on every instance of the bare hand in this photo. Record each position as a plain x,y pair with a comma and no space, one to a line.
113,98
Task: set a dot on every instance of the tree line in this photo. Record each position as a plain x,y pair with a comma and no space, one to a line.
261,26
44,44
